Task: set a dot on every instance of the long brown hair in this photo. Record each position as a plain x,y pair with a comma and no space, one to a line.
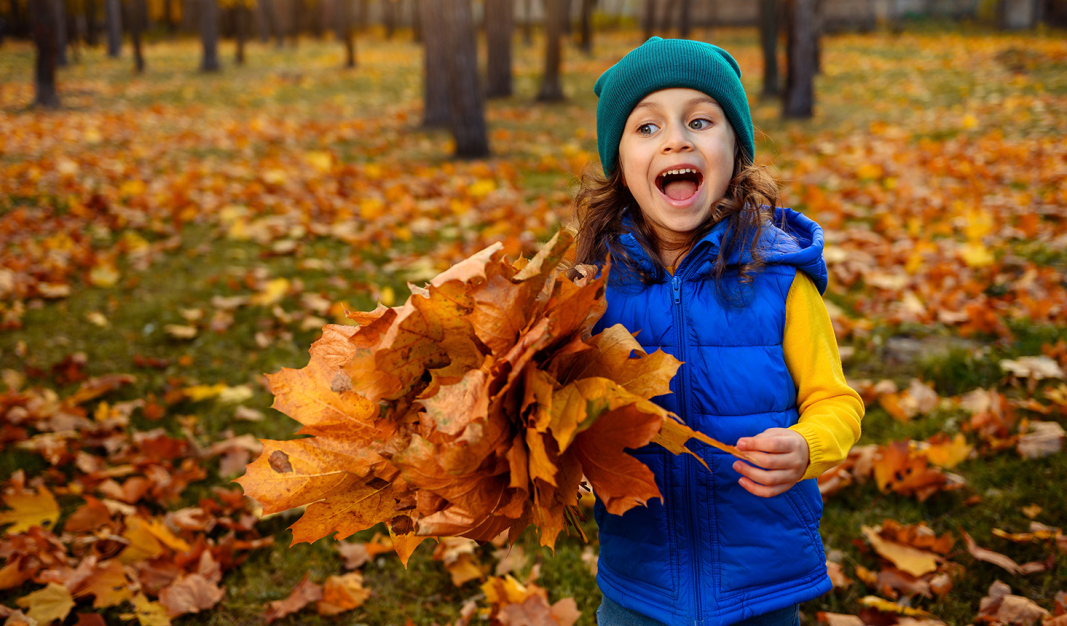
602,202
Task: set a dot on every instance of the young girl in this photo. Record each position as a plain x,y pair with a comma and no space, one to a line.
704,267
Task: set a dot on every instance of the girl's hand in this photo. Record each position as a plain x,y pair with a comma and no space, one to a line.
780,458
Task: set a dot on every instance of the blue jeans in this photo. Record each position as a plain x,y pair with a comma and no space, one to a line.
613,614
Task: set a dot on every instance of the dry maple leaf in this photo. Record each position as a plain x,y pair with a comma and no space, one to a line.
29,509
473,409
304,593
1001,607
1001,560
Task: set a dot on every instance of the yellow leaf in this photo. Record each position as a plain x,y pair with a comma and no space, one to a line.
968,122
180,331
342,593
149,613
47,605
197,393
371,208
911,560
481,188
133,187
892,607
272,293
387,296
275,176
30,509
949,454
978,224
320,160
143,543
976,255
104,274
869,171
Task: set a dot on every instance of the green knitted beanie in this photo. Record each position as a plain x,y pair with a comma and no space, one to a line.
663,64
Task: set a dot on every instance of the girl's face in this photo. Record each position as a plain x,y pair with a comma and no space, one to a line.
677,159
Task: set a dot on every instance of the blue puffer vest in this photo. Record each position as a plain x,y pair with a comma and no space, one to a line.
711,553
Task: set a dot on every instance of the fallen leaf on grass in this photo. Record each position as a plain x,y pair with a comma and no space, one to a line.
892,607
54,602
1001,560
511,559
837,575
1034,367
1040,440
911,560
147,613
839,619
342,593
190,594
304,593
1001,607
458,556
29,509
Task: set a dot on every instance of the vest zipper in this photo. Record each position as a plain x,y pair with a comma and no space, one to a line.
679,324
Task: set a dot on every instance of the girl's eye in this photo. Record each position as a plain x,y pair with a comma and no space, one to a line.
699,124
647,129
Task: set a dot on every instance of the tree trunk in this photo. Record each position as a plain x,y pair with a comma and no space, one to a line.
262,26
437,112
240,19
650,18
416,24
274,18
465,94
670,9
587,26
527,25
768,34
799,86
345,31
18,25
499,24
389,17
684,25
167,13
90,23
364,6
551,87
138,13
565,17
59,8
318,20
209,35
113,15
43,15
297,9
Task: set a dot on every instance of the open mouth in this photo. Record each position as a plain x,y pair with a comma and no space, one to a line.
680,184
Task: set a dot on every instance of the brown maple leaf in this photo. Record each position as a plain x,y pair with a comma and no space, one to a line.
471,410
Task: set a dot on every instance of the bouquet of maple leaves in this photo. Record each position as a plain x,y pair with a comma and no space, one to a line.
475,408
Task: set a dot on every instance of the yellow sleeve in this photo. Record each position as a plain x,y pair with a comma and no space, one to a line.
830,410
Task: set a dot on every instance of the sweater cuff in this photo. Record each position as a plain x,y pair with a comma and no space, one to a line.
817,462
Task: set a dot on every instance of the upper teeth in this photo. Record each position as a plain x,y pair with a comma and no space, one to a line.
676,172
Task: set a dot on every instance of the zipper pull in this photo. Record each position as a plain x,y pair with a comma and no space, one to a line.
677,282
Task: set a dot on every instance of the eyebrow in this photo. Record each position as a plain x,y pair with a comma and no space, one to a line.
691,102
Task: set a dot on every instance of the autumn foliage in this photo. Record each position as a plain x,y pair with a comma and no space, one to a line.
472,410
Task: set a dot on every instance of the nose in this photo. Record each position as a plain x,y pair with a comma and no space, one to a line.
677,139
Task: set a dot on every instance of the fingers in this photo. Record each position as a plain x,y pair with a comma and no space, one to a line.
773,461
773,440
763,491
768,477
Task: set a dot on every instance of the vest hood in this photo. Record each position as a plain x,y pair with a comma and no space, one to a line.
792,239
